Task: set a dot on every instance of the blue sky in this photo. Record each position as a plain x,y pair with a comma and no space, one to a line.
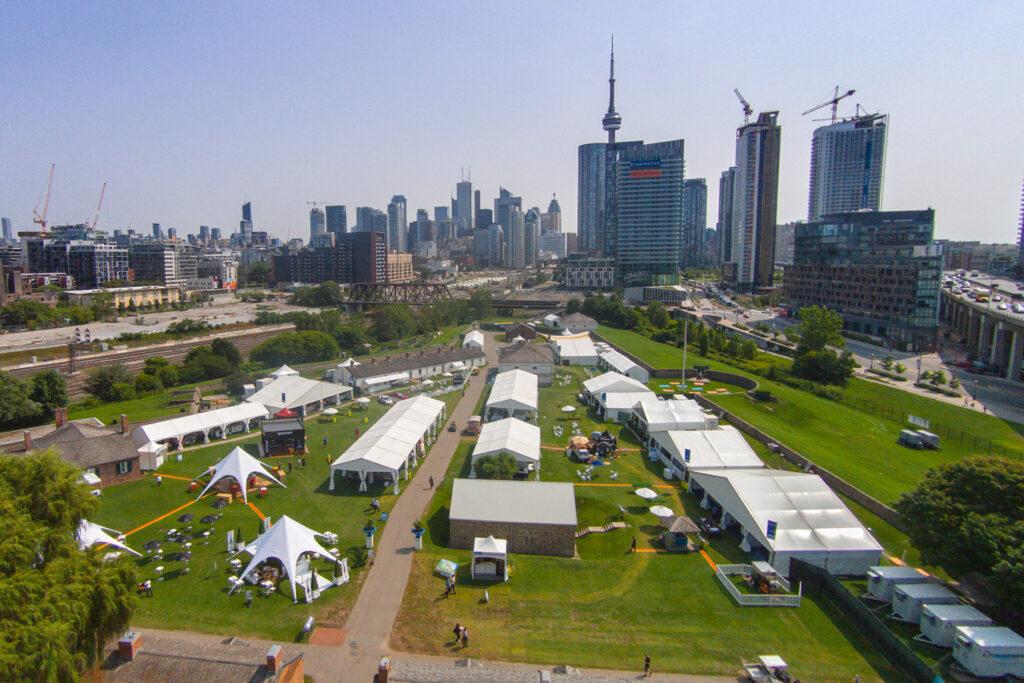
187,109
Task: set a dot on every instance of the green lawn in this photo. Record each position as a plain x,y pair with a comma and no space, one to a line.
139,409
858,446
609,607
198,600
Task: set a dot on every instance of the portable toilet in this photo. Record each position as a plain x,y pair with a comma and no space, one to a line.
939,622
989,651
908,599
882,579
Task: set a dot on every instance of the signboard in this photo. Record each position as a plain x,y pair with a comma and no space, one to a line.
921,422
645,168
686,455
772,528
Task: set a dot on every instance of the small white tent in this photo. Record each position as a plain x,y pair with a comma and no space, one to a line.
287,541
90,534
490,559
519,439
283,371
239,465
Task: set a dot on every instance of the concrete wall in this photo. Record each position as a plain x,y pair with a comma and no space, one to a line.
529,539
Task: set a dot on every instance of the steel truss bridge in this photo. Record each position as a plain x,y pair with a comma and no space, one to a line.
378,294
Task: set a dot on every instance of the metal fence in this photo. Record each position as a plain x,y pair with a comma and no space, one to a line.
981,444
724,571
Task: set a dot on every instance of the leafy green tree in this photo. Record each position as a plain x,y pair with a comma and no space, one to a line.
937,379
573,306
61,604
49,390
296,347
704,345
818,334
16,405
887,363
254,275
227,351
146,383
966,516
168,376
122,391
900,368
392,322
153,365
481,303
100,381
25,311
500,466
657,314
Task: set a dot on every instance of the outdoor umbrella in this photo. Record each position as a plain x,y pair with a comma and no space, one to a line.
151,545
209,519
646,494
220,503
331,411
362,400
661,511
186,518
568,409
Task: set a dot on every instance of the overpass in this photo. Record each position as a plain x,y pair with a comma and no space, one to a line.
992,336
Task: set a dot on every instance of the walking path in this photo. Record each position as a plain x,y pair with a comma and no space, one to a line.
373,616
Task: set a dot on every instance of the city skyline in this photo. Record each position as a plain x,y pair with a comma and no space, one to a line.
181,140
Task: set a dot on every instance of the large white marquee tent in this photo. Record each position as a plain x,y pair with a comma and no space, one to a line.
304,396
575,349
618,362
393,443
705,449
654,415
612,383
519,439
514,394
808,519
239,465
286,542
212,424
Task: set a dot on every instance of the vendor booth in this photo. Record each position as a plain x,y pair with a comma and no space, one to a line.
243,469
490,559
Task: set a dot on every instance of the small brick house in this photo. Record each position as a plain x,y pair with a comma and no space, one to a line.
107,452
536,518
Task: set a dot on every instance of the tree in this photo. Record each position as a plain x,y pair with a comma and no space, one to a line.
966,516
573,306
147,384
100,382
122,391
257,274
500,466
818,334
900,368
23,312
61,604
49,390
937,379
168,376
657,314
392,322
153,365
16,405
481,303
887,363
296,347
227,351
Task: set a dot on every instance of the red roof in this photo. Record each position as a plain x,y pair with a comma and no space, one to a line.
285,412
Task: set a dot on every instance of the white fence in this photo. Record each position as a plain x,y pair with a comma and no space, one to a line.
724,571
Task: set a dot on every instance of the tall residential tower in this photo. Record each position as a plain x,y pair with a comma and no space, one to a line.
847,166
755,202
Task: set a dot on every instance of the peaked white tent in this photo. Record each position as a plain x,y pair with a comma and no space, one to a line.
474,337
394,442
239,465
613,383
283,371
705,449
90,534
514,394
519,439
287,541
622,364
574,349
490,559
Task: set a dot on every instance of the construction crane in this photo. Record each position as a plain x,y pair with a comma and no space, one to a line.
747,109
99,205
834,102
40,218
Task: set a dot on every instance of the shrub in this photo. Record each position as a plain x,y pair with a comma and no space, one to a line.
501,466
296,347
168,376
146,383
101,381
122,391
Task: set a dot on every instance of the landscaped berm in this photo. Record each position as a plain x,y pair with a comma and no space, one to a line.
167,520
607,606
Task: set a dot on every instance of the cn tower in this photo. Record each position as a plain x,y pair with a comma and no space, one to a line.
612,121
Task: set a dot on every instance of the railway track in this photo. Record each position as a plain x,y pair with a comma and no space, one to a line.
135,358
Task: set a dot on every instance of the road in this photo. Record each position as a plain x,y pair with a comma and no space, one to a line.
219,314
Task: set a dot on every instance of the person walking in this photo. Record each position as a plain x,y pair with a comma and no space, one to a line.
458,632
632,546
647,665
453,585
289,467
431,481
465,636
325,442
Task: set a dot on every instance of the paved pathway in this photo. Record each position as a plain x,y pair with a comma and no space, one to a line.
373,616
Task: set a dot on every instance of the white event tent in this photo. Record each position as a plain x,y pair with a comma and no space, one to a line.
624,365
475,338
612,383
514,394
287,541
519,439
393,443
239,465
654,415
90,534
790,515
290,390
705,449
212,424
574,349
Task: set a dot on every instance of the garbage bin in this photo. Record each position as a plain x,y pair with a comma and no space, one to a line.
384,669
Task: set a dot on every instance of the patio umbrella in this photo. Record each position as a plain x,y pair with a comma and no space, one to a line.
209,519
220,503
661,511
362,400
646,494
568,409
331,411
151,545
186,518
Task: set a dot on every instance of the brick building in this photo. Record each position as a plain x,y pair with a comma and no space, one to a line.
536,518
355,257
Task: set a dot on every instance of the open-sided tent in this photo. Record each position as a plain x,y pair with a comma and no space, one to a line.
514,394
519,439
287,541
574,349
789,515
705,449
393,443
90,534
490,559
240,466
283,371
211,424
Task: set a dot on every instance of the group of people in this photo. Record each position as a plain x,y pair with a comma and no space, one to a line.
461,634
449,586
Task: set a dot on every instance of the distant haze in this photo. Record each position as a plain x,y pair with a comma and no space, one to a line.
186,110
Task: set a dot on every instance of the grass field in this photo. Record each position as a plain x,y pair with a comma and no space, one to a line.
610,607
198,600
856,445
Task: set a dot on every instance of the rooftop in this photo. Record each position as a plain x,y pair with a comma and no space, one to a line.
525,352
414,361
517,502
577,318
87,446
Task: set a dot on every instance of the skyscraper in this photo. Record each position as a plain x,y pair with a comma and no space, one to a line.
847,166
317,222
755,200
695,220
515,238
503,205
531,237
337,219
725,187
465,217
215,234
645,239
551,220
476,207
440,213
247,211
157,232
397,224
8,232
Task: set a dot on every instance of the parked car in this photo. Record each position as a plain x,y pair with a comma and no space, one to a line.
385,400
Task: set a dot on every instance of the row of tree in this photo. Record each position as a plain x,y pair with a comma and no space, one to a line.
24,403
